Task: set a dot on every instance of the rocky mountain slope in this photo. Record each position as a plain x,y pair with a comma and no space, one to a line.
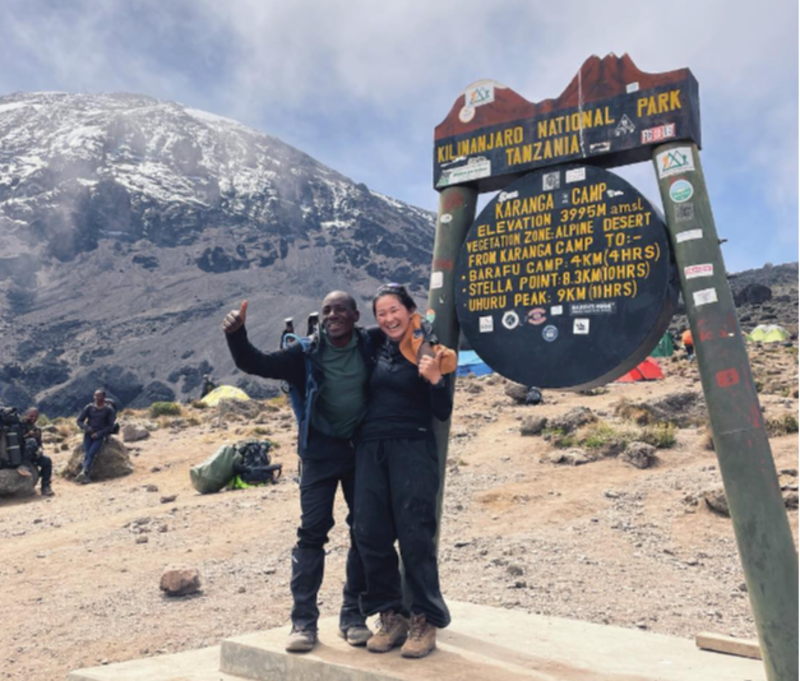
129,226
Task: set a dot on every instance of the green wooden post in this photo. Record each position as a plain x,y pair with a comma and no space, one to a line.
763,534
456,215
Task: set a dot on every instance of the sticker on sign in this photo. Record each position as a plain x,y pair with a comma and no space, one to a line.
486,324
696,271
437,279
689,235
674,161
704,297
576,175
580,327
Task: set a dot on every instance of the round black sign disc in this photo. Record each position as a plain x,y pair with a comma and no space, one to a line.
566,279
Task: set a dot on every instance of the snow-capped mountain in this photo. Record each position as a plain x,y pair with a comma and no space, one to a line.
129,226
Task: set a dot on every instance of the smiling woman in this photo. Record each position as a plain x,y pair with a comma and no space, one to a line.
397,477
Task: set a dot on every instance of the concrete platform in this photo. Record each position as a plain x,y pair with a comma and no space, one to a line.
490,644
192,665
482,644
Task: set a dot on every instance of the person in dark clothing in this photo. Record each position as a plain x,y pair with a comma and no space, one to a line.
397,479
34,452
331,376
96,421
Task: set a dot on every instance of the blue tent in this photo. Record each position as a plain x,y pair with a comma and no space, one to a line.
470,363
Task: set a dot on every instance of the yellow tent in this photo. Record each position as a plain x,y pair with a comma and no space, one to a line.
225,392
769,333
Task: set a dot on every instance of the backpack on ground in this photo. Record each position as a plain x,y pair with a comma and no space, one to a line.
12,438
253,464
215,472
248,461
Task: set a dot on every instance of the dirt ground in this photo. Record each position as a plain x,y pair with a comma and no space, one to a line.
603,542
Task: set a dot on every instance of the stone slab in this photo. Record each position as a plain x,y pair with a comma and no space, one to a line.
495,645
191,665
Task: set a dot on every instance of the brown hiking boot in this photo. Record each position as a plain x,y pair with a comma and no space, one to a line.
421,638
392,631
24,471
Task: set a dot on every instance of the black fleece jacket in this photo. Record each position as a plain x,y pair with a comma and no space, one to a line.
402,404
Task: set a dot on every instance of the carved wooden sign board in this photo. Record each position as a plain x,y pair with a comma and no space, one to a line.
611,114
566,278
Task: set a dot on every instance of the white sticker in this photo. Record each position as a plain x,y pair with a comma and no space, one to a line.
506,196
632,87
580,327
437,279
704,297
696,271
466,114
446,218
599,147
624,127
551,181
486,324
556,310
576,175
480,94
474,170
510,320
611,193
689,235
675,161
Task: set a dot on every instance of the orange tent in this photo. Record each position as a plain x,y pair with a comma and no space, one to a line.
646,371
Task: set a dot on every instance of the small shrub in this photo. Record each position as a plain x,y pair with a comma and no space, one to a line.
660,435
165,409
598,435
560,438
781,425
193,421
258,430
199,404
43,420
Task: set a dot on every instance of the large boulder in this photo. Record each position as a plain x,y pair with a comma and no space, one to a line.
180,581
685,408
133,432
639,455
14,484
516,391
572,420
112,461
753,293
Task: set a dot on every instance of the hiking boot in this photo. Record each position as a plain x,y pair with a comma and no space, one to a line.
392,631
356,635
24,471
47,491
301,640
421,638
83,478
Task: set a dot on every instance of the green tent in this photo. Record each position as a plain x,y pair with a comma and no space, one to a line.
665,347
769,333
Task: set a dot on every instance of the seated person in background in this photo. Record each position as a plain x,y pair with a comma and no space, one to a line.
34,454
96,421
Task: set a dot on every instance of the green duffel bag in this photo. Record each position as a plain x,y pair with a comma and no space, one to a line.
215,472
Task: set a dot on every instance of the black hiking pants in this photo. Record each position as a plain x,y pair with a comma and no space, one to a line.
397,483
42,462
318,483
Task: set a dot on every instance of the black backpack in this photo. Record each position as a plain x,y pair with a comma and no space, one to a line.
253,463
12,438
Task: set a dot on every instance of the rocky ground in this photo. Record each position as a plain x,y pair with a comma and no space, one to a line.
604,541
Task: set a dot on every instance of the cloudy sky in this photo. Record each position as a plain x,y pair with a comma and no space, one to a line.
361,85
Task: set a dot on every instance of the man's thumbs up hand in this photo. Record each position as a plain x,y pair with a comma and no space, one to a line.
234,320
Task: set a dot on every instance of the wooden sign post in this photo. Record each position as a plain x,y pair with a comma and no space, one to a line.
568,256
